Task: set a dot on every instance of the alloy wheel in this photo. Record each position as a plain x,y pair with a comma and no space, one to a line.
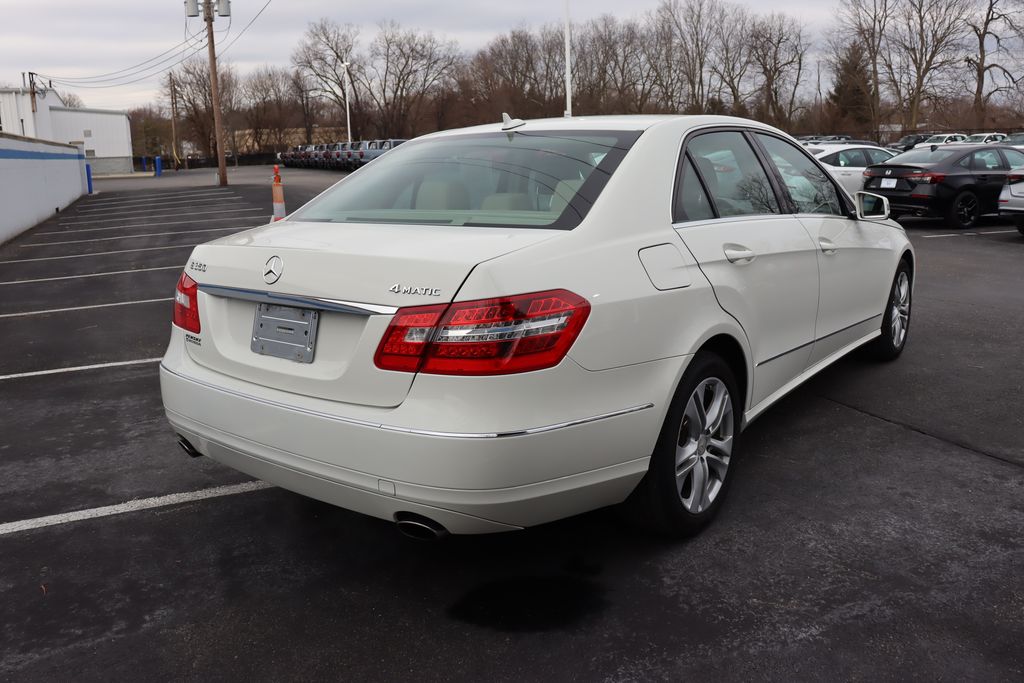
704,446
966,210
899,315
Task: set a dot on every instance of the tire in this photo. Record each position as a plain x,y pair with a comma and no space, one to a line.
896,317
963,211
677,505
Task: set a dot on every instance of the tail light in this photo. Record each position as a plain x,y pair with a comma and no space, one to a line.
186,304
1014,178
360,154
926,177
485,337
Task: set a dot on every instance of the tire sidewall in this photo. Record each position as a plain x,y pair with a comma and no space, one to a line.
952,216
666,506
888,346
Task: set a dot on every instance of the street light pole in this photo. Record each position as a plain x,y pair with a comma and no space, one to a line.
568,63
348,116
222,168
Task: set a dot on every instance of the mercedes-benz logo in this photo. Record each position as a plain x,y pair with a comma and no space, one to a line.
273,269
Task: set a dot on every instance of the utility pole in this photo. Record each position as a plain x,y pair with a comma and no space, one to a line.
174,123
32,94
348,115
224,10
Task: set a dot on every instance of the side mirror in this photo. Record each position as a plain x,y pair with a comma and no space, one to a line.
871,207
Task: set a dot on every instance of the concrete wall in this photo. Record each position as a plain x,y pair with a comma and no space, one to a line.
37,179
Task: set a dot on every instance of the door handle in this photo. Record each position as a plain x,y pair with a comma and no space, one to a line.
737,253
827,245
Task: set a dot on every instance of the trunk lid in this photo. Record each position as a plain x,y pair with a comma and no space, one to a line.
876,176
336,269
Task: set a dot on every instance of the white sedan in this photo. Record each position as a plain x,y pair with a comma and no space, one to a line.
496,327
846,163
942,139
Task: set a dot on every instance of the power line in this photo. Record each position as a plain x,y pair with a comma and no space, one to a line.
192,51
246,28
115,74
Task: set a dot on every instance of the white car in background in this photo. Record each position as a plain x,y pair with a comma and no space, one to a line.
495,327
985,138
942,139
846,163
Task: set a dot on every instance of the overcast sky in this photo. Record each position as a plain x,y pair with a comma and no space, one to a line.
81,38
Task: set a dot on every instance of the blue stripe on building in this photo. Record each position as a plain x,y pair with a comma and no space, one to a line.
27,154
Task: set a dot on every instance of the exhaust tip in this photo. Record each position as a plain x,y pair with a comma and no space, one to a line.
419,527
188,447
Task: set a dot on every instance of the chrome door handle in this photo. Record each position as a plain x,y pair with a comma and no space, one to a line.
736,253
827,245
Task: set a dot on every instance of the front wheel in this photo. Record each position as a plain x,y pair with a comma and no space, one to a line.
964,211
896,318
689,470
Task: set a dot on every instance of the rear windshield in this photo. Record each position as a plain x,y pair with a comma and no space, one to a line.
924,155
528,179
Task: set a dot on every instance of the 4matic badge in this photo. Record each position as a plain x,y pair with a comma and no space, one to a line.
423,291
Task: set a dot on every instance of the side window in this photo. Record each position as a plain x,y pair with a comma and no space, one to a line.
877,156
1014,158
809,187
737,183
852,157
831,159
986,160
691,201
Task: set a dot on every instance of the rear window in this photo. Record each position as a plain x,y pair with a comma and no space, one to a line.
924,155
525,179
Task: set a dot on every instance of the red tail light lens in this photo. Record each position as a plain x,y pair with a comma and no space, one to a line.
926,177
486,337
186,304
1014,178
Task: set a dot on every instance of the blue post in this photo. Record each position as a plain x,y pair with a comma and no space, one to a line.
143,164
158,166
88,177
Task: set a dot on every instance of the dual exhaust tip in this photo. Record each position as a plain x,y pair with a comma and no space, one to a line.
419,527
409,523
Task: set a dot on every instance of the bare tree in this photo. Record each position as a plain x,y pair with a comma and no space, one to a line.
403,68
192,80
778,51
991,24
731,58
869,21
694,25
301,88
325,48
923,42
70,99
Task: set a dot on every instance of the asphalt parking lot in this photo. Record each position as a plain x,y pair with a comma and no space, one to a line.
875,528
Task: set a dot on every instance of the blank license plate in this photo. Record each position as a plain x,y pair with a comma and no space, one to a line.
285,332
888,182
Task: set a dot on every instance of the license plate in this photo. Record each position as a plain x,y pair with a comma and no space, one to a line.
285,332
888,182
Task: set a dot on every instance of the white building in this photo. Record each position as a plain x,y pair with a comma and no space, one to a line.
104,134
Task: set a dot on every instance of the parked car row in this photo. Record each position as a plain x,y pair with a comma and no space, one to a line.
344,156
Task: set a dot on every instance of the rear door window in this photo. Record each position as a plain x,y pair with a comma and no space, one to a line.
986,160
1014,158
877,156
692,203
732,174
851,157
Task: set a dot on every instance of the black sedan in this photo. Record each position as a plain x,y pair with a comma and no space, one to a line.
956,182
907,142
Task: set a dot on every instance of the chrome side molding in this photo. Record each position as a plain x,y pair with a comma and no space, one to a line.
316,303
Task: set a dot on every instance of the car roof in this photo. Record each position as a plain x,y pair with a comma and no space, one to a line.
829,147
635,122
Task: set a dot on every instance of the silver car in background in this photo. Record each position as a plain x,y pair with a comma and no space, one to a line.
1011,198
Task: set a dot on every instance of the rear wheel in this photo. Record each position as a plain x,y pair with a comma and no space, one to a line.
689,471
896,319
964,211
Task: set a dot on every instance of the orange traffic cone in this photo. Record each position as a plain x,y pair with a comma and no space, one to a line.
278,191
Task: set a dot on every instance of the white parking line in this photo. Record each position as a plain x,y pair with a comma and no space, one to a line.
952,234
996,232
132,506
148,225
166,215
79,368
75,277
83,308
149,197
98,253
128,237
153,206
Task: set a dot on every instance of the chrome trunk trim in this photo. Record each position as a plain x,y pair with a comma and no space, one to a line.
316,303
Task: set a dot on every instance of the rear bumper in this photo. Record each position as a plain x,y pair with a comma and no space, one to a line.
471,482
